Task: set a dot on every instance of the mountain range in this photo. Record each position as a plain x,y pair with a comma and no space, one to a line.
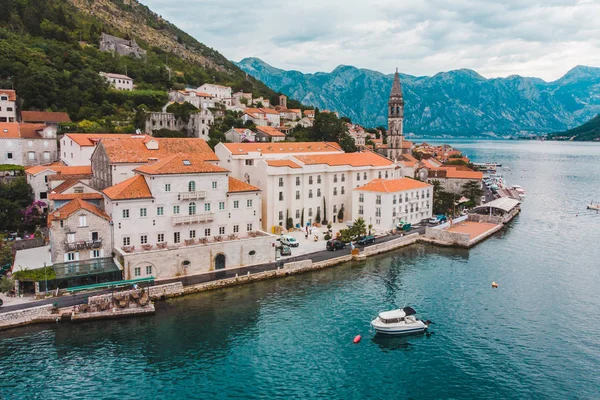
586,132
459,102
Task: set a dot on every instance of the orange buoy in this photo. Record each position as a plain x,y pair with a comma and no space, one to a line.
494,285
357,339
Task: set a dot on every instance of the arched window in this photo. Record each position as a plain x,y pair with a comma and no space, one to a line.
192,208
192,186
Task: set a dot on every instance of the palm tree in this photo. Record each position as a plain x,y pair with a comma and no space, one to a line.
359,228
472,190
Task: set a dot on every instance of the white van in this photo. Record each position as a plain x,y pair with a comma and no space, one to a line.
289,241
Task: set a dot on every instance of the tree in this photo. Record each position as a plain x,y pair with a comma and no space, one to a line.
168,133
182,111
6,284
472,190
318,216
341,214
6,254
139,120
347,143
359,228
328,128
324,211
302,218
289,221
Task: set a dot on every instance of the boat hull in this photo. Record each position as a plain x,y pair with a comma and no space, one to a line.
401,332
593,207
399,328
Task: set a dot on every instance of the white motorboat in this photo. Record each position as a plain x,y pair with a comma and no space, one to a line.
399,322
592,206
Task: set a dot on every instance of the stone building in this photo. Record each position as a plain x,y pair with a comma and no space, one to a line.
196,98
269,134
198,125
118,81
121,46
8,105
79,232
27,144
395,120
240,135
44,178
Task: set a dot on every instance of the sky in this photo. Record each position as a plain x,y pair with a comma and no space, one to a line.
542,38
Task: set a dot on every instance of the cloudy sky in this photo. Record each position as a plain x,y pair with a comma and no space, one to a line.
542,38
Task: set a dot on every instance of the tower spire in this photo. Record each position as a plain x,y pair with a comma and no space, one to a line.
396,86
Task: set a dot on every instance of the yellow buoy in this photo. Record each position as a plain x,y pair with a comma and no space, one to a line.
494,285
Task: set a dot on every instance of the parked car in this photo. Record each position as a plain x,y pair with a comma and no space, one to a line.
366,240
334,244
289,241
438,219
285,250
1,302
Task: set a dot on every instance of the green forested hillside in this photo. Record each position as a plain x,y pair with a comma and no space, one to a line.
586,132
49,54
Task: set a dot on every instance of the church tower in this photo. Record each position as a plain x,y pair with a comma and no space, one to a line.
395,119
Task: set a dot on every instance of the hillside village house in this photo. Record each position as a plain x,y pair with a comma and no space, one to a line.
269,134
383,203
240,135
118,81
44,117
27,144
8,105
42,177
196,98
114,160
181,215
221,93
198,124
295,177
451,177
77,148
123,47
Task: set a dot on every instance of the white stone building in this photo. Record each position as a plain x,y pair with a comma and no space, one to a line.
182,215
77,148
27,144
8,105
295,177
198,125
271,116
240,135
42,177
221,93
196,98
118,81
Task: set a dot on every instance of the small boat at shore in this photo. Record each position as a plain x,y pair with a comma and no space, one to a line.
399,322
593,206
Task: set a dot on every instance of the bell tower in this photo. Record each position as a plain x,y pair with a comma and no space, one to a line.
395,119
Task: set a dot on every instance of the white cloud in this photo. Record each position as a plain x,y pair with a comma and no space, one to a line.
420,37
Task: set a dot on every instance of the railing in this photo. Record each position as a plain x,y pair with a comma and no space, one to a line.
83,244
192,195
190,219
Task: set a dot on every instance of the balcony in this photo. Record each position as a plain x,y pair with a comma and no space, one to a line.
192,195
193,219
83,245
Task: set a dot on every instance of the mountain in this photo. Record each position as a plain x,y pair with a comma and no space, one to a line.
588,131
459,102
49,52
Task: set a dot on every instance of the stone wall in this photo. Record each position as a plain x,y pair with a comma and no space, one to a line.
460,239
27,316
489,219
390,245
168,290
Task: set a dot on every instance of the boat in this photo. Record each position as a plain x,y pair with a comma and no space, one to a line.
593,206
399,322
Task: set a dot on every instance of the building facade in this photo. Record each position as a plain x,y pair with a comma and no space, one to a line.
118,81
8,105
395,133
27,144
123,47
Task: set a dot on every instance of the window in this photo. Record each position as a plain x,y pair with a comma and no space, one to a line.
78,189
236,204
365,176
95,253
167,187
379,175
399,198
281,215
358,176
378,212
148,269
334,178
192,234
343,190
9,156
207,232
335,191
297,213
43,195
248,227
310,211
361,210
310,194
250,162
280,196
206,206
70,237
280,182
221,230
310,180
192,208
386,174
221,205
82,220
191,186
144,239
378,199
137,271
214,184
318,178
249,203
30,143
343,177
297,195
297,181
160,211
70,256
126,241
160,237
319,192
125,213
46,155
175,210
31,156
236,228
143,212
176,237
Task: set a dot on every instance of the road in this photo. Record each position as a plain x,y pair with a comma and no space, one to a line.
81,298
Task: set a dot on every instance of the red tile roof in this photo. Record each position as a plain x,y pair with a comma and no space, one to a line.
14,130
135,150
92,139
61,169
132,188
12,95
361,159
72,196
180,163
62,177
269,130
393,185
74,206
30,131
283,148
236,186
44,116
261,111
282,163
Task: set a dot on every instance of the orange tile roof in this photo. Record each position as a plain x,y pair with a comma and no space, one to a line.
74,206
65,185
261,111
61,169
282,163
62,177
407,144
180,163
12,95
459,173
309,112
408,160
361,159
295,110
132,188
283,148
269,130
72,196
236,186
30,131
44,116
134,150
393,185
9,130
91,139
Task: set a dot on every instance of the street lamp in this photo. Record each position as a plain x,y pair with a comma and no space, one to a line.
46,279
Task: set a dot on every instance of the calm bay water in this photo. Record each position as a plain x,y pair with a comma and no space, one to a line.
537,336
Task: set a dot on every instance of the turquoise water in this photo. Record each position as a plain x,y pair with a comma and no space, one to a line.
537,336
